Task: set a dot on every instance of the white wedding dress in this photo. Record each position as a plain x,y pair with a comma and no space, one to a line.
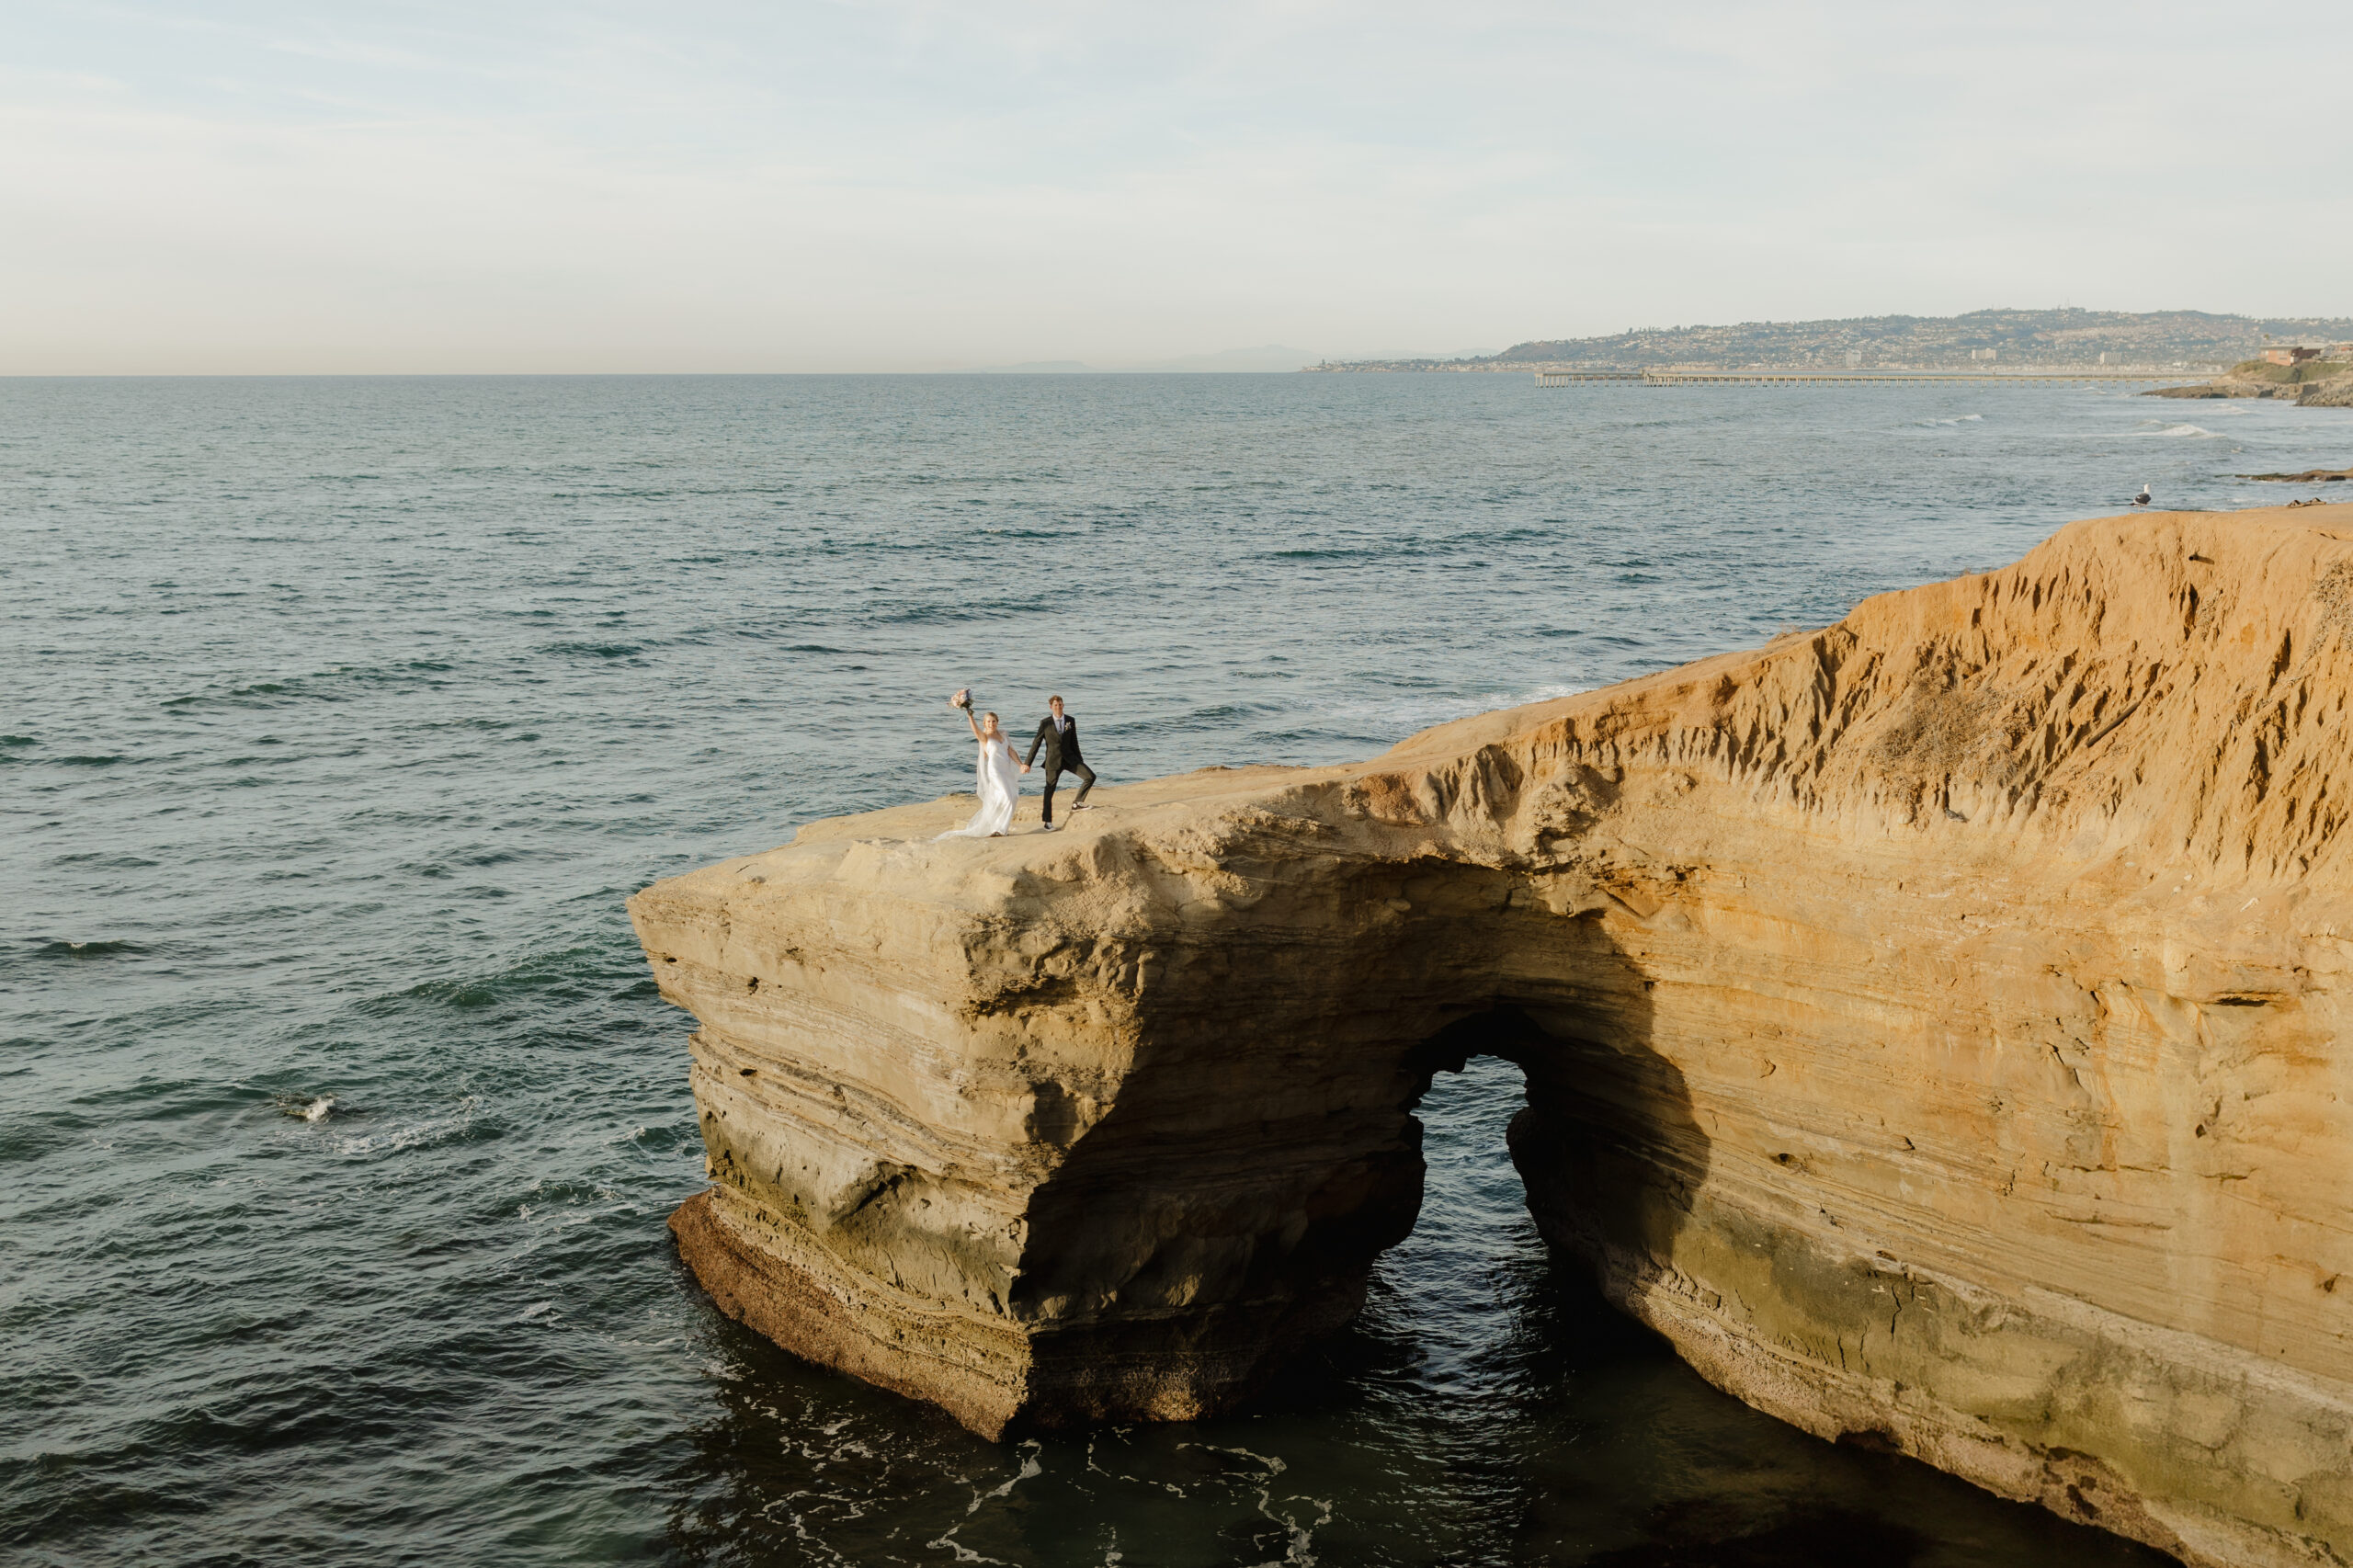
997,780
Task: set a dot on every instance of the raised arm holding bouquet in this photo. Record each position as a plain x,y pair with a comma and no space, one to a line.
997,777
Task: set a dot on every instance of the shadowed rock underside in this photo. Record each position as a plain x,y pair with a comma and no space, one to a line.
1932,1025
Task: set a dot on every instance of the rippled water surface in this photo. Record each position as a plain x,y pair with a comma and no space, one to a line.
338,1119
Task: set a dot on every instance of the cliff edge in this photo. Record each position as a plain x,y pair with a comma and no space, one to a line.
1935,1025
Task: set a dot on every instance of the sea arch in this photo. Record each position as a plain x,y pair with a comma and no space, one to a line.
1936,1027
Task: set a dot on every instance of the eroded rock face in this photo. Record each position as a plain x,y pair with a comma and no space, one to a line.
1934,1025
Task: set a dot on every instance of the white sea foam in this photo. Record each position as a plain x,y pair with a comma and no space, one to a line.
1956,419
1298,1550
1029,1467
418,1135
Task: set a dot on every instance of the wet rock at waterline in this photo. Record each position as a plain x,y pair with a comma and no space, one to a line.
1932,1025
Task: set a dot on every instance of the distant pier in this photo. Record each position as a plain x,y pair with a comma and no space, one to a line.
1975,378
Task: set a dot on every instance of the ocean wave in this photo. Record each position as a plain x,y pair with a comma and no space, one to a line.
72,951
1339,553
1226,715
457,1125
346,683
1957,419
579,967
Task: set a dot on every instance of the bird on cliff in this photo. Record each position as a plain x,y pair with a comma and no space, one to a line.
2143,498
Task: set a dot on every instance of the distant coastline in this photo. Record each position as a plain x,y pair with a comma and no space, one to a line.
2190,342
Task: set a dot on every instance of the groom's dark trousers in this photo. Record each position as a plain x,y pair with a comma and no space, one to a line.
1062,757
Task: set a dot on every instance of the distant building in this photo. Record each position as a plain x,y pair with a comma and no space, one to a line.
1982,353
2290,355
1854,359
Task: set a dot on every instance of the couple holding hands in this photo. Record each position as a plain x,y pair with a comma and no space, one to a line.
999,783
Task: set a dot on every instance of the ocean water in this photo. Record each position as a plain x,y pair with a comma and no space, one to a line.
339,1118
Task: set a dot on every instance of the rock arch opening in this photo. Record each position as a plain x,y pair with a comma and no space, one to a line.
1604,1142
1229,1208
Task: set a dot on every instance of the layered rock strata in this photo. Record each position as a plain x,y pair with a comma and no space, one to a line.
1935,1026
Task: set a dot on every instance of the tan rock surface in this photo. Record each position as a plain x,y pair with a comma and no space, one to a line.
1934,1025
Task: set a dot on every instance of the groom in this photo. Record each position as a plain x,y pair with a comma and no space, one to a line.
1059,734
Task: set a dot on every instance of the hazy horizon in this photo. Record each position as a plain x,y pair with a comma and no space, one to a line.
255,189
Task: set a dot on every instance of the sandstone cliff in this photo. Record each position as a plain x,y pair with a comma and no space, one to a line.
1934,1025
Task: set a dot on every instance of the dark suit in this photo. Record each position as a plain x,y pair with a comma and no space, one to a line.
1062,757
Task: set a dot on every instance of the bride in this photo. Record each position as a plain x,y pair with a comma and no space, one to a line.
998,781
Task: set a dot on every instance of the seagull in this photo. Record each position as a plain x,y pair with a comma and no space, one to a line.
2143,498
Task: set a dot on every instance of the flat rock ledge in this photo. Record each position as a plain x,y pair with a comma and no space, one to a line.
1935,1026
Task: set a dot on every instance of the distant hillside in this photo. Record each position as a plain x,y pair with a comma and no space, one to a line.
2163,339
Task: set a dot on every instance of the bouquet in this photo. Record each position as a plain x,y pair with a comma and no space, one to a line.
964,698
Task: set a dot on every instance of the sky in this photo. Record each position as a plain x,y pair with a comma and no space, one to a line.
493,187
